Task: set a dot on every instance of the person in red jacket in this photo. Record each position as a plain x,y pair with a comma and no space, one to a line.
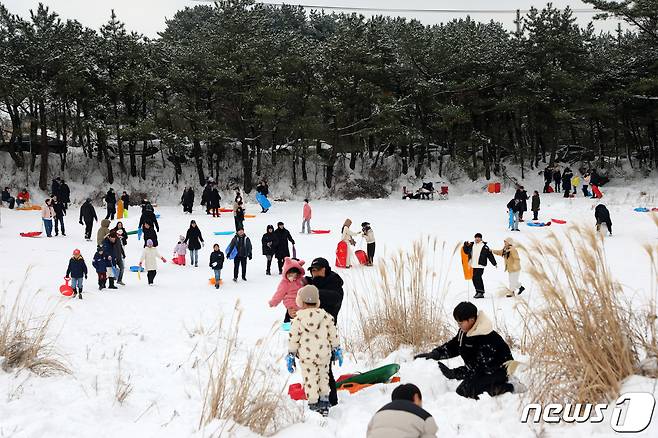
23,197
307,217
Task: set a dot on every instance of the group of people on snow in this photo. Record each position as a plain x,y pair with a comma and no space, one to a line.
565,181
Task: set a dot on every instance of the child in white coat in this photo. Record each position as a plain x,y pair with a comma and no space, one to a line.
150,258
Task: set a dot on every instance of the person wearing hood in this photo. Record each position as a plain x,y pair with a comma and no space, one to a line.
281,251
114,249
602,216
536,202
514,209
347,236
330,286
111,202
101,263
194,241
214,199
150,258
103,231
149,234
268,242
88,215
180,251
314,340
205,196
121,232
510,255
369,235
64,194
148,216
291,281
76,270
187,200
488,361
478,254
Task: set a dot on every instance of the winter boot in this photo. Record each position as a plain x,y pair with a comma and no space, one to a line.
112,286
478,295
510,293
80,293
521,289
216,285
324,406
235,280
315,407
268,272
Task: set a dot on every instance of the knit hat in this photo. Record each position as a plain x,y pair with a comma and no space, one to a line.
76,252
181,238
149,243
99,248
308,294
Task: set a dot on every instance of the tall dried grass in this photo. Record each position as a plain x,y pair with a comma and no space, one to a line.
582,341
404,302
243,391
24,337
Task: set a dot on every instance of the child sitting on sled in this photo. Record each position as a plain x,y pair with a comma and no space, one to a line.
291,281
314,340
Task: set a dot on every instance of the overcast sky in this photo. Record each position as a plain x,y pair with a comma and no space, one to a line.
148,16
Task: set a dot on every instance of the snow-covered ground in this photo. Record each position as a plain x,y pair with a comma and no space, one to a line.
157,332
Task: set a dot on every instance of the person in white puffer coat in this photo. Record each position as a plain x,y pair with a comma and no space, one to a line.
314,340
150,259
347,236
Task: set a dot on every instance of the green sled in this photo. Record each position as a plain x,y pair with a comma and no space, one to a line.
378,375
130,233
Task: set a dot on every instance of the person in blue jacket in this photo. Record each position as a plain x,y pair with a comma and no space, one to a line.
76,270
101,262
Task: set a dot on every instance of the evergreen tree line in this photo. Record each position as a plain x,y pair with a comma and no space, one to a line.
282,83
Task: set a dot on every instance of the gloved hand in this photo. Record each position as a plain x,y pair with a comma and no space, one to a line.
249,257
422,356
163,260
337,355
85,276
290,362
80,222
450,374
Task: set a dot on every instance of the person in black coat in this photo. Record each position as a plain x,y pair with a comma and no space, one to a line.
187,200
281,250
213,199
148,216
535,205
111,202
76,269
330,286
486,355
602,216
269,245
88,214
6,197
566,182
478,254
217,263
522,196
64,194
55,188
205,196
243,245
194,241
125,198
149,233
60,212
238,216
557,178
548,178
515,206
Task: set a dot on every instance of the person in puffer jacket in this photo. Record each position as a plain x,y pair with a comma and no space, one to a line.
103,231
291,281
180,251
510,254
150,259
314,340
101,262
487,358
404,417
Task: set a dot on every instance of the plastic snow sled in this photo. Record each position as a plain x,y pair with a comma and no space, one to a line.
361,256
226,210
212,281
31,207
31,234
356,387
466,267
558,221
341,254
378,375
223,233
538,224
233,253
65,289
130,233
249,216
320,231
136,269
263,201
285,326
641,209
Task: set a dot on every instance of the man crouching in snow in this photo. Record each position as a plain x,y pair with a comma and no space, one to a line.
487,357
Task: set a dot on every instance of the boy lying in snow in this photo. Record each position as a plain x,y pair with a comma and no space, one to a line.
487,357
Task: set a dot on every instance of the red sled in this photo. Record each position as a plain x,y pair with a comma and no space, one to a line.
361,256
31,234
65,289
549,189
296,391
341,255
179,260
597,193
558,221
320,231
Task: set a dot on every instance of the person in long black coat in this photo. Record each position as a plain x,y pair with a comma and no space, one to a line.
64,194
330,286
269,245
548,178
60,212
281,250
566,182
148,216
238,216
194,241
602,216
88,214
55,188
149,233
213,200
187,199
125,197
111,202
557,179
205,197
522,196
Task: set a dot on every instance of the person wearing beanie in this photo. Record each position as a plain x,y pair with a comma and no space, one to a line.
306,215
101,263
88,215
76,270
488,362
314,341
269,246
150,258
510,255
180,251
369,235
403,417
291,281
478,254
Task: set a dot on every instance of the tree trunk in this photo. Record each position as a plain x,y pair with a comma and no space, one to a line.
142,174
247,165
43,170
304,173
198,160
101,138
117,127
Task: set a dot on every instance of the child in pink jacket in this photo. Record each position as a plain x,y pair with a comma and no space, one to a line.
307,217
180,250
291,281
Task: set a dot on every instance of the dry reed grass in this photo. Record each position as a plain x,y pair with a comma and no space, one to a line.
405,301
582,340
24,338
244,393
